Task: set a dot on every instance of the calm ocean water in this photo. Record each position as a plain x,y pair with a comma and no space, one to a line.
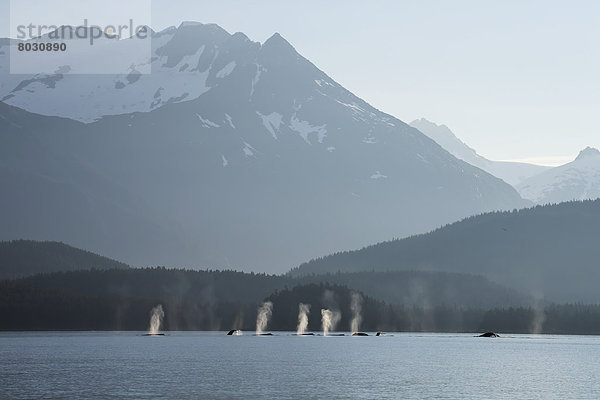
203,365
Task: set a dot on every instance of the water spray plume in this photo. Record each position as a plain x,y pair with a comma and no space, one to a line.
329,320
356,308
303,311
264,314
539,315
156,316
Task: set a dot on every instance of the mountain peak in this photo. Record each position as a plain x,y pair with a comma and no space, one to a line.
199,27
588,152
424,121
190,23
442,135
277,41
427,124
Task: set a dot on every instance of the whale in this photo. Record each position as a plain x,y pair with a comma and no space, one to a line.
489,334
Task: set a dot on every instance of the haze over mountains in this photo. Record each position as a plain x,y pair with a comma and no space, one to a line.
511,172
549,251
59,266
234,154
577,180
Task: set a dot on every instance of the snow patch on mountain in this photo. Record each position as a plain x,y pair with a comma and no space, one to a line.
272,122
322,82
577,180
354,107
369,139
229,121
423,159
188,62
182,67
304,128
256,79
87,98
207,123
248,150
227,70
378,175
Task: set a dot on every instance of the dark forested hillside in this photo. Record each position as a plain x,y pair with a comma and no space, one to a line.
547,251
122,298
20,258
69,301
27,307
426,288
162,283
409,288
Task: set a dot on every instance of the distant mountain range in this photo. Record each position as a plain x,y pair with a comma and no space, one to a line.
511,172
46,264
577,180
231,153
550,252
19,258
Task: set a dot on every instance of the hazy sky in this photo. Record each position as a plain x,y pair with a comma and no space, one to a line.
515,79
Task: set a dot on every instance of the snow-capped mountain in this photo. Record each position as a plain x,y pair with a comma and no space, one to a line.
249,153
510,172
185,63
577,180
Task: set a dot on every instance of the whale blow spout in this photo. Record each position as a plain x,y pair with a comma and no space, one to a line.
156,317
262,319
329,320
303,311
356,307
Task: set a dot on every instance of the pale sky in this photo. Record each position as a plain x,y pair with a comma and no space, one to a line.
514,79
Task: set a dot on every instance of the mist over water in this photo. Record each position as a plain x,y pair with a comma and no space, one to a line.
329,320
356,308
156,317
303,311
264,314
